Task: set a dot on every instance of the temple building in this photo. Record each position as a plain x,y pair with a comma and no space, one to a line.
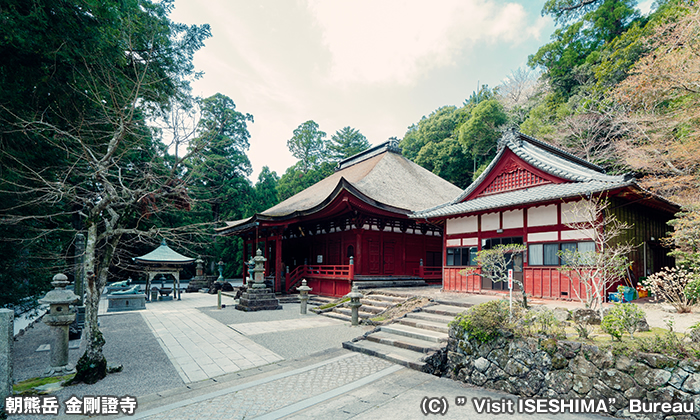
353,226
527,196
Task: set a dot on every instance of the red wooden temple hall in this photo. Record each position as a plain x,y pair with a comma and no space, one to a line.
352,226
526,196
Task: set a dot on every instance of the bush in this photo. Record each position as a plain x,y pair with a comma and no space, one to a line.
670,284
486,321
692,290
543,322
620,318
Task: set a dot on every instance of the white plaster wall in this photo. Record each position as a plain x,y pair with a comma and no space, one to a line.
462,225
513,219
543,236
490,221
576,234
470,241
577,211
542,215
454,242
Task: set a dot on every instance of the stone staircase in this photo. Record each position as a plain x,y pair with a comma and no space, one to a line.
410,341
314,300
373,303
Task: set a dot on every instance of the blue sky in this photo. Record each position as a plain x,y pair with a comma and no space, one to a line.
375,65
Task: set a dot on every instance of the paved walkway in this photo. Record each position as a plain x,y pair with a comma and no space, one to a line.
334,384
199,346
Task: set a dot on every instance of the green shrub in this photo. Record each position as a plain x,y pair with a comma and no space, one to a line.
692,290
486,321
620,318
542,322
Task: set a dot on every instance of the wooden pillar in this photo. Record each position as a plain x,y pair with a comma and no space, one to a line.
358,251
278,263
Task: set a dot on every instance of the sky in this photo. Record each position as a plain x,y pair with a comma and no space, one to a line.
378,66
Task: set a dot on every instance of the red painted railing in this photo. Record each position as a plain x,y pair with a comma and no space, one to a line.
318,272
428,272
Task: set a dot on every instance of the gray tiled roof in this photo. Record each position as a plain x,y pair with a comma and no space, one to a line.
164,254
545,157
585,178
525,196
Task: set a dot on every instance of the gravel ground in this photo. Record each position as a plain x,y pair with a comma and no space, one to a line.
129,342
291,344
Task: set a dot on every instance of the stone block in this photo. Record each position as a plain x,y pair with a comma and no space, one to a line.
258,300
118,303
7,319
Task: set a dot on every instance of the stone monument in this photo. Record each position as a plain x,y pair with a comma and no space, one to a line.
59,318
258,297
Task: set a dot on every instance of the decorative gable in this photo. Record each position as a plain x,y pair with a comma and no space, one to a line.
513,176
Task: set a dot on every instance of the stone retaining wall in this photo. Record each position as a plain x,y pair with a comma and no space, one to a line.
547,368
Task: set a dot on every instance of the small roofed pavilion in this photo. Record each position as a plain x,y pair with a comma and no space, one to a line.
163,260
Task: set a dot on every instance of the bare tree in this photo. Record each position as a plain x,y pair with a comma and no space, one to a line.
597,269
115,175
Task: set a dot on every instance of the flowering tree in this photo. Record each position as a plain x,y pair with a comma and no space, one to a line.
596,269
495,262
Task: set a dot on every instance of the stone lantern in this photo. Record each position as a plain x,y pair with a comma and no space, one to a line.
354,304
303,295
259,270
257,297
221,271
59,318
200,267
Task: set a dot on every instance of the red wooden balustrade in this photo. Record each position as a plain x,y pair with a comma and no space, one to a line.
313,273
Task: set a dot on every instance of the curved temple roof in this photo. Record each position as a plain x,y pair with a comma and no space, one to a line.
380,174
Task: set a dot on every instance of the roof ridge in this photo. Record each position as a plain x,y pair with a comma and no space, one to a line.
387,146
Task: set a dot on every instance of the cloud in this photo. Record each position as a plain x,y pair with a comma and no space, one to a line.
398,41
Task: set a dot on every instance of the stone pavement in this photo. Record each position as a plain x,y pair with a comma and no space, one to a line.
199,346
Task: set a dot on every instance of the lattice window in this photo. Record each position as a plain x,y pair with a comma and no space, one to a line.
513,180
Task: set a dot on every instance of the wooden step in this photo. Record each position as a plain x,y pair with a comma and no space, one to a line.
413,332
396,355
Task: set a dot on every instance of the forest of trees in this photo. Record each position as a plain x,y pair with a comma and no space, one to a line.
116,147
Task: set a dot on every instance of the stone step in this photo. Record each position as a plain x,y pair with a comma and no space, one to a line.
367,308
396,355
377,284
385,298
408,343
425,325
454,303
376,303
348,312
447,310
338,315
445,319
413,332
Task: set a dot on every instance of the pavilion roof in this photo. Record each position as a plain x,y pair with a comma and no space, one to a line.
163,255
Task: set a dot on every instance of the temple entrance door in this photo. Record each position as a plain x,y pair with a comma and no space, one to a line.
389,257
374,255
334,253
